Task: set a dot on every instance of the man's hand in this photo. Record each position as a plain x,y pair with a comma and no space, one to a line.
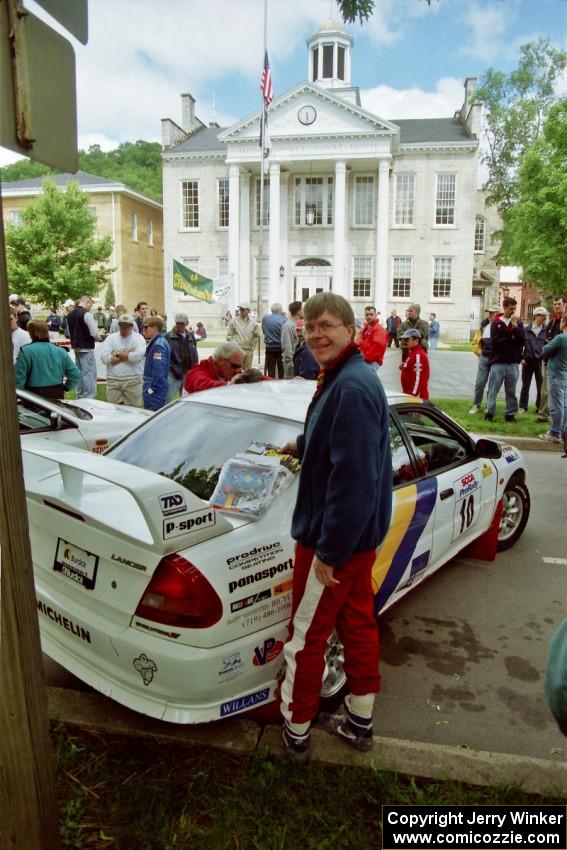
289,448
325,573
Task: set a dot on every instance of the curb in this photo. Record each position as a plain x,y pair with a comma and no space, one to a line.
96,713
526,444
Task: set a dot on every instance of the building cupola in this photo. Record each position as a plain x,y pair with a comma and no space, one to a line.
329,56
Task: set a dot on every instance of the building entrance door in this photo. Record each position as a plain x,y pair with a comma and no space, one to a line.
308,280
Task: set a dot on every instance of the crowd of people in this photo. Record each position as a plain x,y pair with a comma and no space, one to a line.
503,344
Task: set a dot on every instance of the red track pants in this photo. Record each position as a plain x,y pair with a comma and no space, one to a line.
316,611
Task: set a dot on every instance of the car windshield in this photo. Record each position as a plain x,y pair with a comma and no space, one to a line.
190,442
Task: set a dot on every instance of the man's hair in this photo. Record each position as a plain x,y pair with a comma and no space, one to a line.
226,350
154,322
20,300
416,307
370,307
140,304
294,307
335,304
276,308
249,376
509,302
84,299
38,331
434,315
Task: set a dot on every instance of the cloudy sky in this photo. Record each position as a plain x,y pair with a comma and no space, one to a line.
410,60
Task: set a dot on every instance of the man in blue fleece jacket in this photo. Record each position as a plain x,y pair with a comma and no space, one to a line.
341,516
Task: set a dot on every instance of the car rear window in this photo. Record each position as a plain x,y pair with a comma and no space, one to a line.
190,442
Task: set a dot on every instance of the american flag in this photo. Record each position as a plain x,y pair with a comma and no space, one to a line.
266,81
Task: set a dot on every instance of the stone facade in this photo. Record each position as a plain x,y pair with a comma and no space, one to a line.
378,210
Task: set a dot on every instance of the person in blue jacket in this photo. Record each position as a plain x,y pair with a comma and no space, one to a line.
156,368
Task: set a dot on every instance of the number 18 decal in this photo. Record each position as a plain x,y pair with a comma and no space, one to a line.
467,505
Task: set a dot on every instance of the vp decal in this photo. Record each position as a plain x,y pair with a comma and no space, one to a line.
268,652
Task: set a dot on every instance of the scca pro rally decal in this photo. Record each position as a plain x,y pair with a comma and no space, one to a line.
240,704
268,652
467,502
185,523
268,572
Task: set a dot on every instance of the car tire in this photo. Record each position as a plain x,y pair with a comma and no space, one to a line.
333,689
515,514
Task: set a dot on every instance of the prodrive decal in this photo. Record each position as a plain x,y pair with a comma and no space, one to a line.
186,523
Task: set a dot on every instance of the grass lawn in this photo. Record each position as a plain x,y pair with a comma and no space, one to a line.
127,794
458,408
456,346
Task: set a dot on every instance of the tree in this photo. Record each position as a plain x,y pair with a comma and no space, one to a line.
362,9
535,227
110,297
515,108
54,253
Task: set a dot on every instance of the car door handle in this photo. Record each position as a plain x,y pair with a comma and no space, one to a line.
446,494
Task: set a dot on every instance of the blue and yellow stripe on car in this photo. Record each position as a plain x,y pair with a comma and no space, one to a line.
412,509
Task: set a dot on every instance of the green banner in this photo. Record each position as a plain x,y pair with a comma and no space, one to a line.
190,283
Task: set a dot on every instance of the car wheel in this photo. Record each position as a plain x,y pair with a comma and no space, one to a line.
515,513
334,684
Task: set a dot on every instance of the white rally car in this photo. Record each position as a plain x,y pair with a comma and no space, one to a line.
85,422
179,609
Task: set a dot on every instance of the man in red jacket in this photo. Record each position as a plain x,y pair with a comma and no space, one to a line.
372,339
216,371
415,368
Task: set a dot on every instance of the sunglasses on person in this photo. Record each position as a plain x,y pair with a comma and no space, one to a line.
234,366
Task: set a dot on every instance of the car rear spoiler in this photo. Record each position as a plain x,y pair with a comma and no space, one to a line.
113,495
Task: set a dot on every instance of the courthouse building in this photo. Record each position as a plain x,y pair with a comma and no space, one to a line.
377,209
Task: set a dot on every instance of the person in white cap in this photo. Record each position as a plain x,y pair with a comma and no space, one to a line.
123,355
534,341
244,330
483,368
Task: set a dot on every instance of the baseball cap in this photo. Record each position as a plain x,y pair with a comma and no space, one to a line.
493,308
13,297
182,317
244,305
126,319
411,332
540,311
69,303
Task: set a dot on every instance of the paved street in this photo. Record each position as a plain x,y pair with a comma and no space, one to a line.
463,658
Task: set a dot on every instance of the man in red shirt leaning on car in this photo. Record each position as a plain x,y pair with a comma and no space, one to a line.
222,368
372,339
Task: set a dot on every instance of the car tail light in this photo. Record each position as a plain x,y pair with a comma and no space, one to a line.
179,595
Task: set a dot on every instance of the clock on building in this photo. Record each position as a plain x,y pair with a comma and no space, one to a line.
307,114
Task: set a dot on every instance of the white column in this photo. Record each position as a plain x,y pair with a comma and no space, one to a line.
339,218
274,240
245,236
234,231
382,229
285,282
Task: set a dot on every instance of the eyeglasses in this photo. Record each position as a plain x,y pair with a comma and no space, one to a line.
234,366
323,327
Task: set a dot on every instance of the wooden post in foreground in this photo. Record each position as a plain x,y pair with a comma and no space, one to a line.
28,807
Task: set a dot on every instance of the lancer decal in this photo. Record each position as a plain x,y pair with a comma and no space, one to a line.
412,509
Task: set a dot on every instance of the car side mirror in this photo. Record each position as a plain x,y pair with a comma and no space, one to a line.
55,421
488,448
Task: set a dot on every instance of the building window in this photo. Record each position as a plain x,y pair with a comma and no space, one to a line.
264,292
341,63
222,196
328,61
315,64
193,263
134,227
401,277
16,218
266,211
313,195
222,266
150,233
479,230
445,199
361,277
190,204
442,277
364,201
405,199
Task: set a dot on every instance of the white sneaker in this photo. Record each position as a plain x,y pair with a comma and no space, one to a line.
549,438
474,409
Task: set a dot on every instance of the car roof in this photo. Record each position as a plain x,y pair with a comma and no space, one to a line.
284,399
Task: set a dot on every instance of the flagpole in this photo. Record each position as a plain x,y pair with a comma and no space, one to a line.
262,143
